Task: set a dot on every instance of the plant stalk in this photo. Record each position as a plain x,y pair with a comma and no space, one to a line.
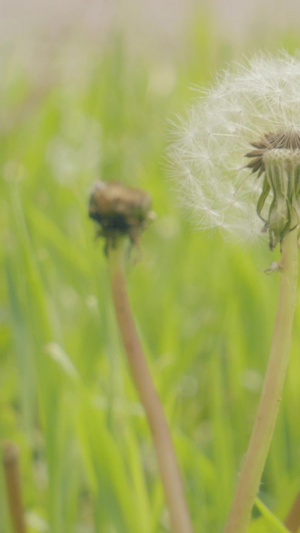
292,521
167,462
10,459
254,462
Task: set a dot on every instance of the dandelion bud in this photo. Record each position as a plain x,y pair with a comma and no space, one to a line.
119,210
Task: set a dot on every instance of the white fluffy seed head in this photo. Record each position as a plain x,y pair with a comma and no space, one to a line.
208,155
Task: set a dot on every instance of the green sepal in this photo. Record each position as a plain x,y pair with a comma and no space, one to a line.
279,220
262,198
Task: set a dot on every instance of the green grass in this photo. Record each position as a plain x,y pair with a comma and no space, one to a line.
203,306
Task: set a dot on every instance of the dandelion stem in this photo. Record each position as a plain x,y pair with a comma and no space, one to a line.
264,424
292,521
10,458
169,470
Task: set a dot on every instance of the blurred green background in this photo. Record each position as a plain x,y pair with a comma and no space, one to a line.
81,101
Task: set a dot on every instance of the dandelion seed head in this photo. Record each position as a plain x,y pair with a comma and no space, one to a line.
246,104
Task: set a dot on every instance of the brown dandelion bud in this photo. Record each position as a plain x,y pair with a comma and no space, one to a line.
119,210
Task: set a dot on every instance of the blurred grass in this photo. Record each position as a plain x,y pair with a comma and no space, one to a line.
203,306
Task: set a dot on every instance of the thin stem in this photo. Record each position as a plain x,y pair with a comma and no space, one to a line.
10,460
292,521
264,424
170,475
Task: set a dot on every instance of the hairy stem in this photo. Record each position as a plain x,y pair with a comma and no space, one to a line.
264,424
10,460
170,474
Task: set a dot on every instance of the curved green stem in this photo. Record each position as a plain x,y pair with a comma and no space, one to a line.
170,475
264,424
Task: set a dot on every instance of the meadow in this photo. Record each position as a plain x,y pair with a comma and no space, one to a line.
203,305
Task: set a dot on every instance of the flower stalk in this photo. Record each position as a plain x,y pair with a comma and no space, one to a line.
10,459
169,471
292,521
264,425
124,212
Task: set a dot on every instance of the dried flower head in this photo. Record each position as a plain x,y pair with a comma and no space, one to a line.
258,106
119,210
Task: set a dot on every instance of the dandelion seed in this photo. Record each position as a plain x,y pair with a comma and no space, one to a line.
237,154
